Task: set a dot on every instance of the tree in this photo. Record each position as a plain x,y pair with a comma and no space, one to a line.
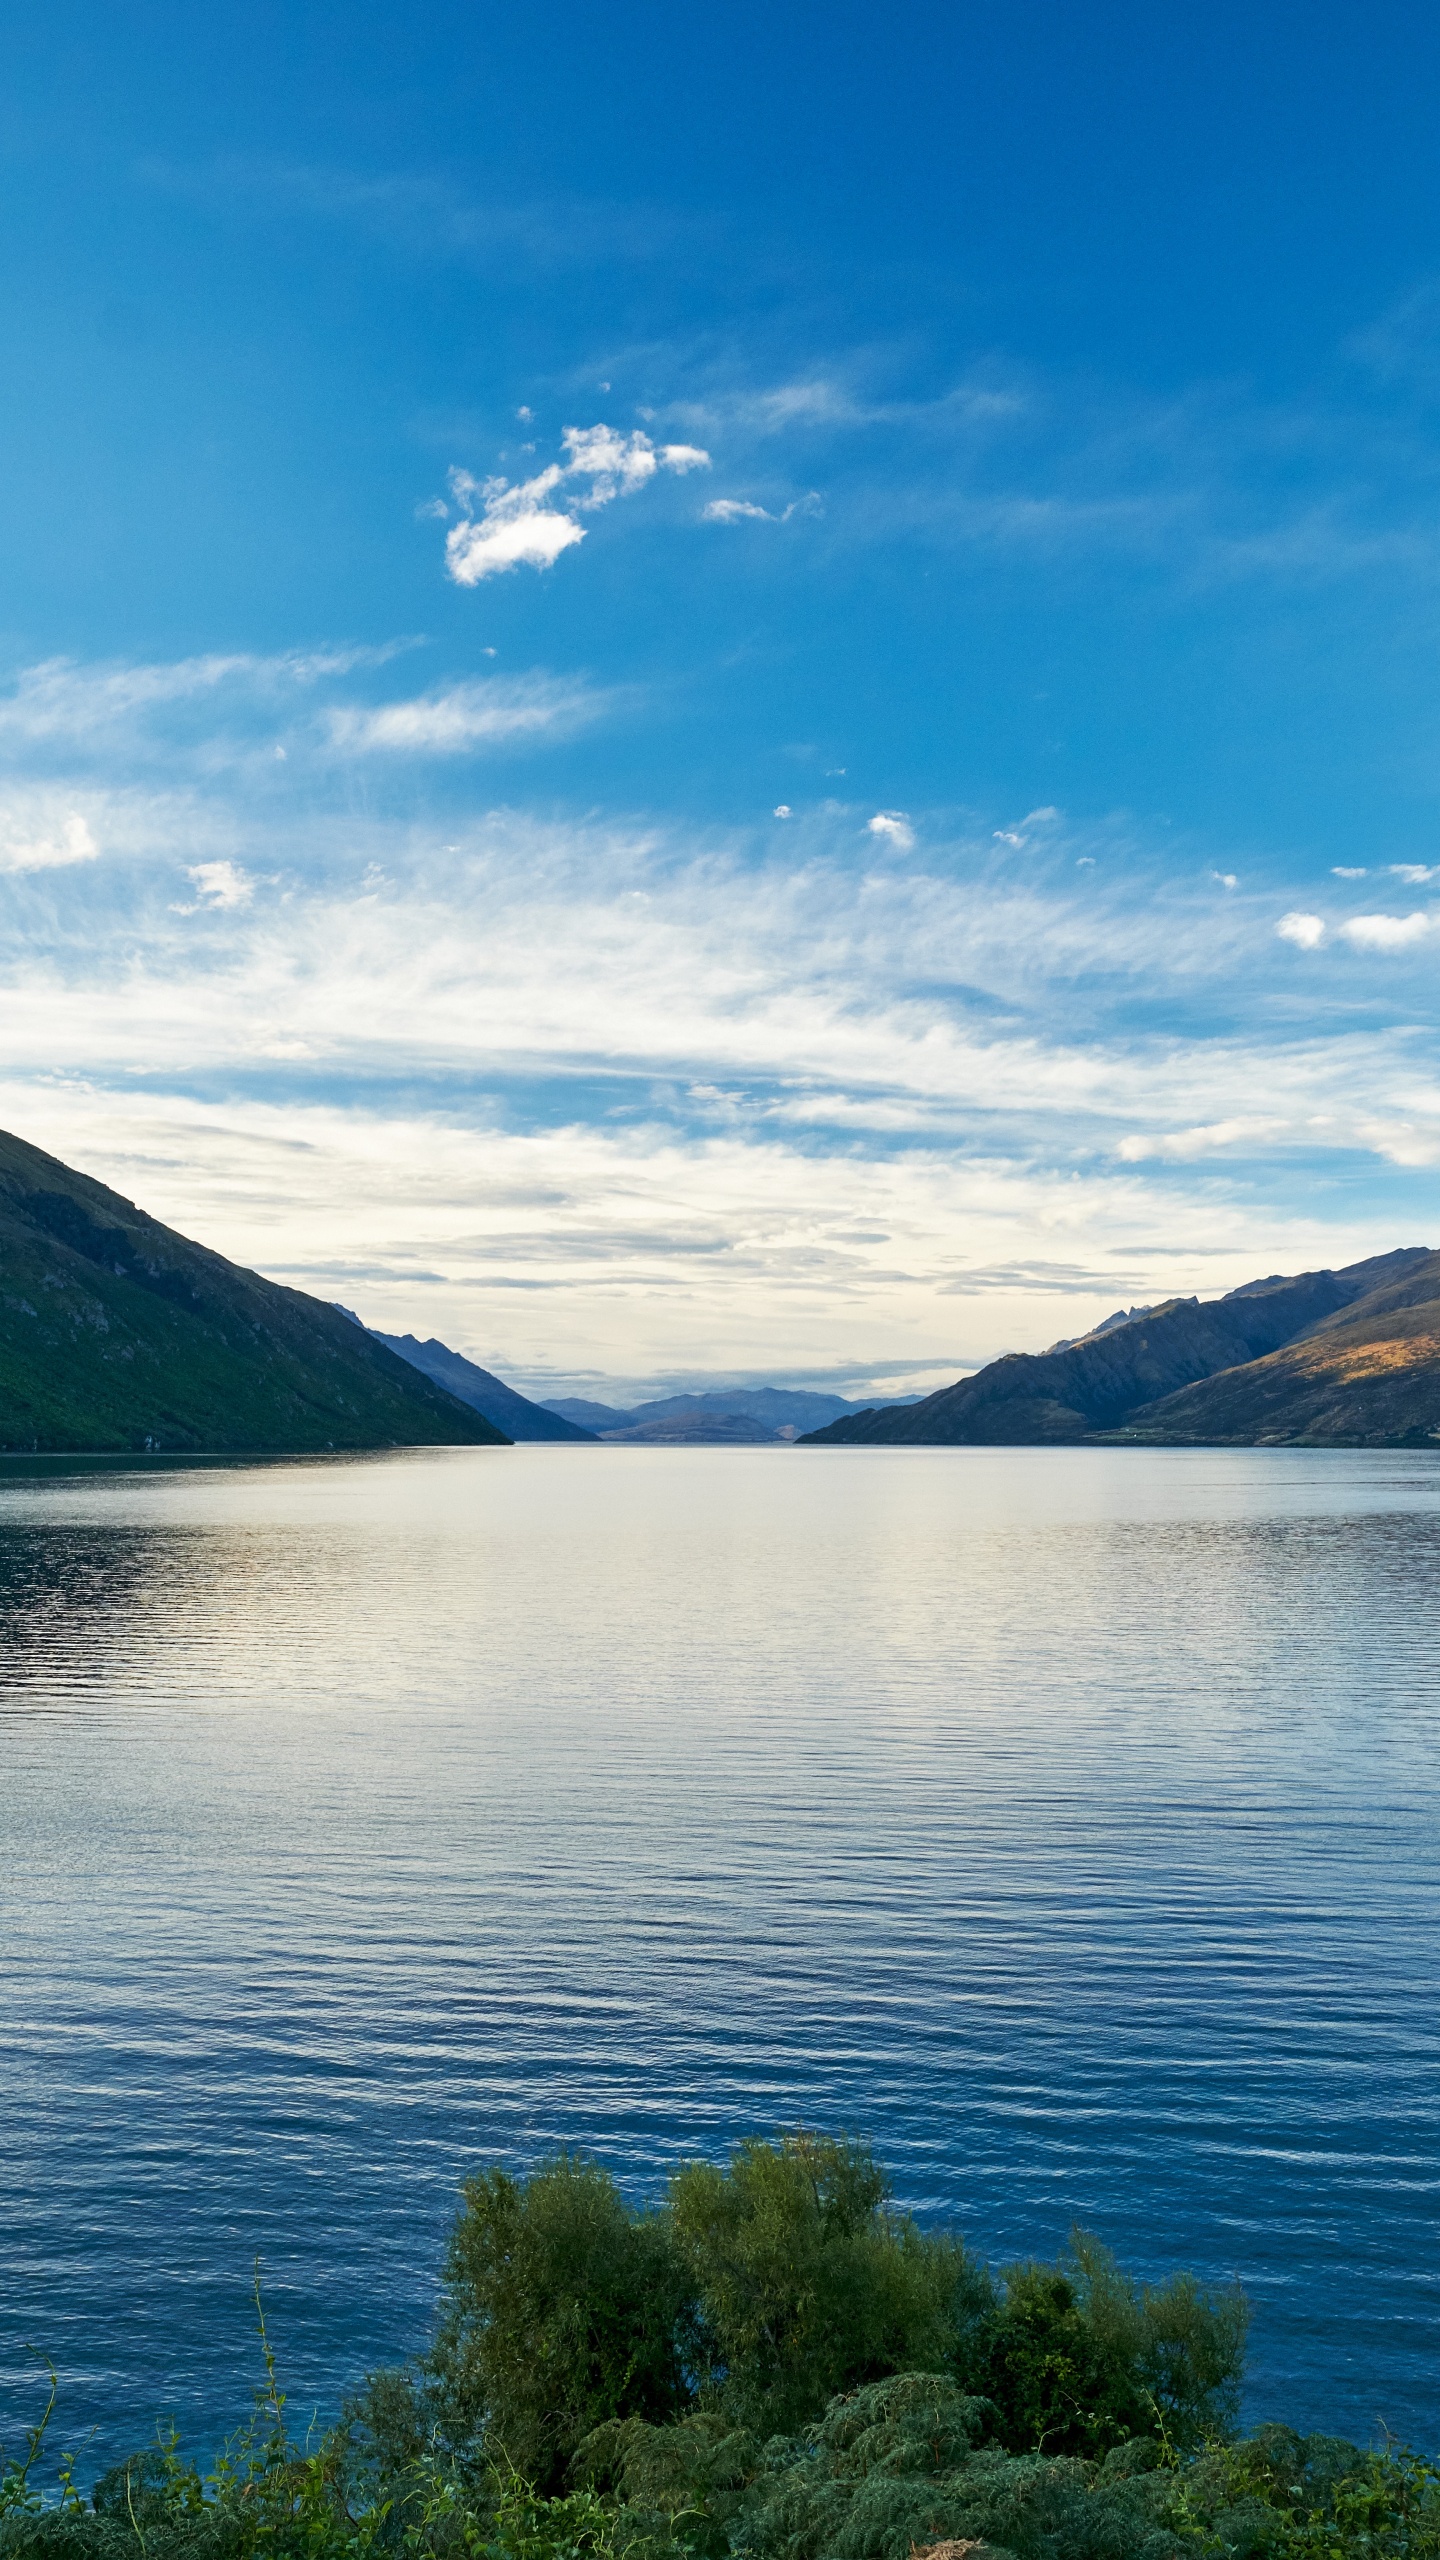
561,2309
807,2283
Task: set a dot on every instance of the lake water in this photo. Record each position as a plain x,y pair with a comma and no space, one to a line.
1065,1821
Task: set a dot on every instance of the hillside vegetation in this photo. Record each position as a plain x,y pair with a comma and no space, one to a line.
116,1334
771,2363
1349,1357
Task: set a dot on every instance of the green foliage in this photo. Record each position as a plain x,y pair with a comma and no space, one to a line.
807,2283
1079,2358
684,2485
772,2365
906,2464
1280,2496
562,2308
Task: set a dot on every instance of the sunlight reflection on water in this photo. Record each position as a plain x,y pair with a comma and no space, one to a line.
1062,1819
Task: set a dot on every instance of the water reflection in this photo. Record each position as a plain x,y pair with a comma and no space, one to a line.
1063,1819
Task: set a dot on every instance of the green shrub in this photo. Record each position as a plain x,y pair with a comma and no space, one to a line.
807,2283
561,2308
906,2463
1078,2358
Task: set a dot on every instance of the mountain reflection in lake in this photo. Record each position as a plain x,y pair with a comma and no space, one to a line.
1064,1820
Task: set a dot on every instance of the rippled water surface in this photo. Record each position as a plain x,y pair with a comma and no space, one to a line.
1066,1821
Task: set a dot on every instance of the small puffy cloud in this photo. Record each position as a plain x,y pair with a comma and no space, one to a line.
1008,835
528,524
39,844
1227,879
893,827
613,464
1385,933
459,718
221,884
516,528
1414,872
1306,932
734,511
784,810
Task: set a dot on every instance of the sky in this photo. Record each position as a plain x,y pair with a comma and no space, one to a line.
747,695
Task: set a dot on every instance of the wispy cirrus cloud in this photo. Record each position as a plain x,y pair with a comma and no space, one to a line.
459,719
206,715
508,525
757,1088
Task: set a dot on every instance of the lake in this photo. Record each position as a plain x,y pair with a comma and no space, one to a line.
1065,1820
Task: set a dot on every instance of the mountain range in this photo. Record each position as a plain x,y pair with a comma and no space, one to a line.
117,1333
1324,1358
717,1417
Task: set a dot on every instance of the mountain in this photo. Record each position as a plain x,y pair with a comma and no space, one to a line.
1122,1315
1146,1377
482,1390
116,1333
1366,1377
717,1417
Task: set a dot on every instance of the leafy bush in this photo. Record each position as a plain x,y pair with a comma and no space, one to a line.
1078,2358
910,2462
807,2283
1280,2496
561,2308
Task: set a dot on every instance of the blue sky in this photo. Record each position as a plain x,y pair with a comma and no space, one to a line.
749,696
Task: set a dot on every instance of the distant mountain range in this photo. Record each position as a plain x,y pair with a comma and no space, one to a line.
1328,1358
117,1333
721,1416
511,1413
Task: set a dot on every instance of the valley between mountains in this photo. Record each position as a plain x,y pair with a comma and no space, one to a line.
118,1334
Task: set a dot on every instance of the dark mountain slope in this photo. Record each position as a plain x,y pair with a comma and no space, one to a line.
1368,1376
1100,1382
116,1333
482,1390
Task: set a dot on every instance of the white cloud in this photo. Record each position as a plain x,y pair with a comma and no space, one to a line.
1226,879
525,525
893,827
1385,933
221,884
515,528
30,842
1415,872
671,1078
59,702
784,810
1347,871
462,717
1305,931
734,511
1181,1146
